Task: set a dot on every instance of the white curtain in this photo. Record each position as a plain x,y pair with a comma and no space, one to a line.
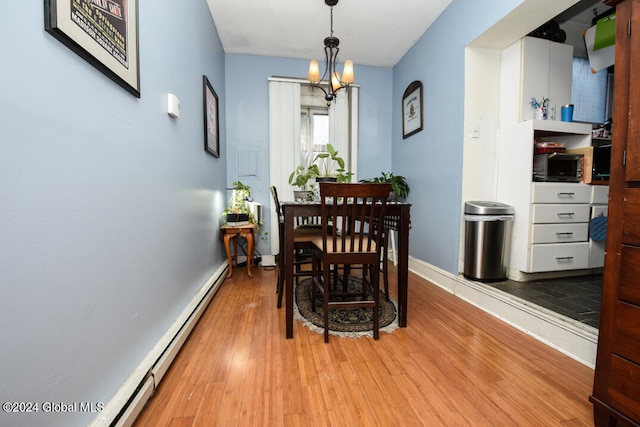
343,130
284,136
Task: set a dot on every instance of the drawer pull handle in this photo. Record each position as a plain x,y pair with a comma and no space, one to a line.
564,258
566,194
566,213
564,233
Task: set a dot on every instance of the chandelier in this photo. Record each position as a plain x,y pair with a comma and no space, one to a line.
331,49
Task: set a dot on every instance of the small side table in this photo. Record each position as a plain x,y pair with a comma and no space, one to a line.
232,232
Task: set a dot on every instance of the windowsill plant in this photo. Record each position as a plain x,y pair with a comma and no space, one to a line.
326,166
399,185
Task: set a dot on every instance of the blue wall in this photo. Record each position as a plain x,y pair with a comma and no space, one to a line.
109,208
247,90
432,159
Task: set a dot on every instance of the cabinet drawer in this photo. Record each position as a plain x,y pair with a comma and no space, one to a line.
628,286
557,192
560,233
631,219
559,256
549,214
626,332
624,387
599,195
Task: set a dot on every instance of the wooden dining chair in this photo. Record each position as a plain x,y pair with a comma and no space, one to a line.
355,242
303,234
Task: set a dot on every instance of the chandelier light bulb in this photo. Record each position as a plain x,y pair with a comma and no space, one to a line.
335,82
347,72
314,71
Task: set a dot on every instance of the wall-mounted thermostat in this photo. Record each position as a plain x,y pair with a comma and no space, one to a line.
173,105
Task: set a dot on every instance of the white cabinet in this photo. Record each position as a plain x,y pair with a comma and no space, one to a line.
559,214
550,228
559,257
534,68
568,220
559,233
551,219
599,195
599,207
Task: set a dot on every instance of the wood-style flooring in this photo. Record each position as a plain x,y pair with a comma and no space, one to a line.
453,365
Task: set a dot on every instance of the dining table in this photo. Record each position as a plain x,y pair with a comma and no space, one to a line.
397,217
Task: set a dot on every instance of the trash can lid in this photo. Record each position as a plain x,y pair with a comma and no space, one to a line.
487,208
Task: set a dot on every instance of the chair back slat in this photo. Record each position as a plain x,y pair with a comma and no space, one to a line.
276,201
355,211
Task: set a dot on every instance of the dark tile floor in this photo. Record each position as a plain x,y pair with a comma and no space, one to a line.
575,297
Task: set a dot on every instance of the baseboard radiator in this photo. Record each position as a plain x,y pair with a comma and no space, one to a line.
129,400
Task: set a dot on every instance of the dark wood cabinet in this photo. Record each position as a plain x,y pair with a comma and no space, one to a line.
616,388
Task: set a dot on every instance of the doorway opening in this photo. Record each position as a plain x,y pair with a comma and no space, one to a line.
480,165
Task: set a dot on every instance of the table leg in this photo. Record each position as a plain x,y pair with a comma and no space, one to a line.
403,266
227,238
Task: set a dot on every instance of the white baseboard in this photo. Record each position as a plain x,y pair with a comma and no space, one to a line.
575,339
127,403
268,261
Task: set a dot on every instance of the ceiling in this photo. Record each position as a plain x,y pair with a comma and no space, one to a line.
371,32
582,12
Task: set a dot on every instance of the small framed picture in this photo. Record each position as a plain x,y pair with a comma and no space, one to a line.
211,129
104,33
412,115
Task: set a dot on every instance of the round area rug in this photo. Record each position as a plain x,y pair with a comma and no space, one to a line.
354,322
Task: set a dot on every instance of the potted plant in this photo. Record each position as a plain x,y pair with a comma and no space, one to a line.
326,166
237,212
399,185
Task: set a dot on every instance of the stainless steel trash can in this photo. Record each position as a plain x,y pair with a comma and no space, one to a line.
487,240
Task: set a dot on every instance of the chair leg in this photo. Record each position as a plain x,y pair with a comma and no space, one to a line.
345,278
385,271
325,300
375,284
365,288
296,262
314,281
280,284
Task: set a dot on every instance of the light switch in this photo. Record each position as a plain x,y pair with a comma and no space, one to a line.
173,105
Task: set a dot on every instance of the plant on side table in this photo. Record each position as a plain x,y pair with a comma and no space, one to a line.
237,212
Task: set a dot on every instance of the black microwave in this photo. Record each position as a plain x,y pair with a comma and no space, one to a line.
558,167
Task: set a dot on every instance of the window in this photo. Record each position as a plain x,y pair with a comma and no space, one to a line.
588,92
314,133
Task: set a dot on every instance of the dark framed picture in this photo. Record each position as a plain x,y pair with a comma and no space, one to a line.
104,33
211,129
412,115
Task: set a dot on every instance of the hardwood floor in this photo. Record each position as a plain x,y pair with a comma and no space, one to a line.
452,365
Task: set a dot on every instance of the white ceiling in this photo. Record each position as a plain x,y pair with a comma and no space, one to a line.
371,32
